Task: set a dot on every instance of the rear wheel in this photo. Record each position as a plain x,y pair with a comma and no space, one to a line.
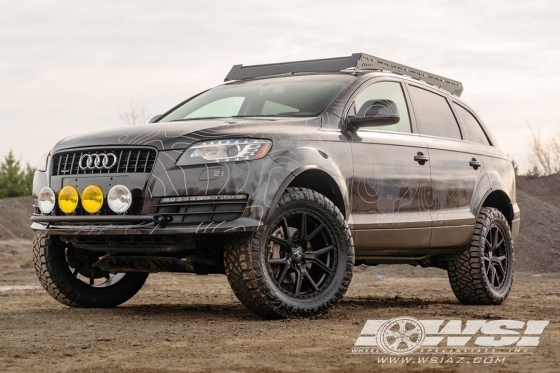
69,276
483,273
301,266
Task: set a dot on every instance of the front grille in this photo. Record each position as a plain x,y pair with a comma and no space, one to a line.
202,212
128,161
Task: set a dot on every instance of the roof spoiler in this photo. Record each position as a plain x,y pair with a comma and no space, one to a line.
358,61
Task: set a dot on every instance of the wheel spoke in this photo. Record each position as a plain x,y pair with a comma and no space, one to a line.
315,254
303,229
91,281
306,274
277,261
413,331
314,233
75,272
409,343
402,326
492,275
488,244
299,280
395,345
280,241
286,229
283,274
320,264
500,243
495,238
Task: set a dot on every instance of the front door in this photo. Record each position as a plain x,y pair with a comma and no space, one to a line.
390,188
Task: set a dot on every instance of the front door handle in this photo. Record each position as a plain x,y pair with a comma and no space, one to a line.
475,164
421,158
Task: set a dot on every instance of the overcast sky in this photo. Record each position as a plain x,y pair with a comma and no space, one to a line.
71,66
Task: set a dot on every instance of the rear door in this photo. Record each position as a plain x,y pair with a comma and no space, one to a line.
389,187
456,168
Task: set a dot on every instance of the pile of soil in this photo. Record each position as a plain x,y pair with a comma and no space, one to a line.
537,247
14,218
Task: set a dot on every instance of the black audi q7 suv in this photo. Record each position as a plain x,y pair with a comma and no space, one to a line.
283,178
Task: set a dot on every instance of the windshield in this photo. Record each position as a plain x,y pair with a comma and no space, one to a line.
293,96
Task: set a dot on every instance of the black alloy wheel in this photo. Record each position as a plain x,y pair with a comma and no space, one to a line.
301,254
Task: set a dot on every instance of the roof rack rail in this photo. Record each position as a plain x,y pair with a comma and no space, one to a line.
358,61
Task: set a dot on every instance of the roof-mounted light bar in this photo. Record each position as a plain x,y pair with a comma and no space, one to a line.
358,61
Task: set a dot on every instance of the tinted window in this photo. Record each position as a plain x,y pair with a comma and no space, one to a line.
386,91
473,130
434,114
293,96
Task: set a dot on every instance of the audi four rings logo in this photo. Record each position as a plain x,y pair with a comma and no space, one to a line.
97,161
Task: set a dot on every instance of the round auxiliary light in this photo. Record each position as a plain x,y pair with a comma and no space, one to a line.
92,199
119,199
68,199
46,200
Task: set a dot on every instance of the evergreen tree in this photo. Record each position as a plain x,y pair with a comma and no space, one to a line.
15,180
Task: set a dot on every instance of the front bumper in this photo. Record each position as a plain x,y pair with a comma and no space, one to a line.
142,225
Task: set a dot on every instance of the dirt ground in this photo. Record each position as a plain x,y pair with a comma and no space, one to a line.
194,323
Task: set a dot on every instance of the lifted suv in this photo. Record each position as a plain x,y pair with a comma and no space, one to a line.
283,178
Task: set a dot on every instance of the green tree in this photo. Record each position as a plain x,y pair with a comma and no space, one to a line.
15,180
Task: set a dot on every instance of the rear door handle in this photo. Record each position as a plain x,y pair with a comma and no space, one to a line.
475,164
421,158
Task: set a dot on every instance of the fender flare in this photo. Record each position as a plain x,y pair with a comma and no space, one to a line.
288,180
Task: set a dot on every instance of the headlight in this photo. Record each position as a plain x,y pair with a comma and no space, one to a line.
46,200
119,199
42,166
229,150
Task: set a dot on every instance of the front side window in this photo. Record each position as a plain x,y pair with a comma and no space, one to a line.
473,130
434,114
385,91
293,96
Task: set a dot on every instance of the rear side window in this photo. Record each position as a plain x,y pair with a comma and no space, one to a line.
434,114
473,130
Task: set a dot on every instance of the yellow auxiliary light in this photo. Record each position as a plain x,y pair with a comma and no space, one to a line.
92,199
68,199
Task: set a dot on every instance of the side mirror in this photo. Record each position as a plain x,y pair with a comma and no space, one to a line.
157,117
375,113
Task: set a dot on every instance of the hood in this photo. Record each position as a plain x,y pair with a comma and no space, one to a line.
179,135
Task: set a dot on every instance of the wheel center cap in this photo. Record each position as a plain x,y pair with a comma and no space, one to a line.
297,254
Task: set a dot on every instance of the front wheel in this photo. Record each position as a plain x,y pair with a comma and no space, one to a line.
483,273
68,275
300,266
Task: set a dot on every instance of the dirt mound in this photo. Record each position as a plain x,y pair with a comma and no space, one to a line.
14,217
537,247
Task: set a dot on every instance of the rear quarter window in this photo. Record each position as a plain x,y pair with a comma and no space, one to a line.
474,131
434,114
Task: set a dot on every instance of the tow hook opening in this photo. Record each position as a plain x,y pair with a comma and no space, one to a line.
162,220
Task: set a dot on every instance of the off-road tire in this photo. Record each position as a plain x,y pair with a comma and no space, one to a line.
246,271
57,279
466,273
